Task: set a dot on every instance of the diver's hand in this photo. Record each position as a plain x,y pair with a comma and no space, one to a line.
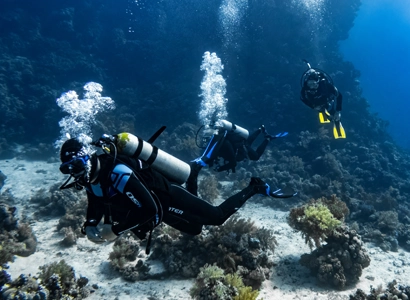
93,234
337,116
107,233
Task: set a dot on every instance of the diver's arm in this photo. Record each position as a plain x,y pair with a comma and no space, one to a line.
94,214
95,210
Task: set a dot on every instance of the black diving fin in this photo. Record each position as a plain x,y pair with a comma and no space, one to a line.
280,193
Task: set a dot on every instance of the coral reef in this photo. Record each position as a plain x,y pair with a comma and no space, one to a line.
340,262
403,236
57,281
55,202
3,178
212,283
16,238
394,291
69,205
318,219
383,228
125,251
24,287
340,256
236,246
73,217
70,238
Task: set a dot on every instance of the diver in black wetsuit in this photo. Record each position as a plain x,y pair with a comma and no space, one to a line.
319,93
231,147
234,148
134,197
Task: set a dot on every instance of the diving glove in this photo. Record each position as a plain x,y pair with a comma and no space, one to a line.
262,188
259,186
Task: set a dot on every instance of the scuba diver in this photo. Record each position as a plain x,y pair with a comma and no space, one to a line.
230,143
319,93
130,194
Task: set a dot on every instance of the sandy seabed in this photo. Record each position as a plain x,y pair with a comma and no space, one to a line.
289,280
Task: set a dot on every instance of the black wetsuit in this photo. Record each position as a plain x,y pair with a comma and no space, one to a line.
135,198
234,148
325,97
229,146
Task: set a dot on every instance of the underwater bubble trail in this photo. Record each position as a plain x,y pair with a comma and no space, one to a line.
213,86
315,9
81,112
231,13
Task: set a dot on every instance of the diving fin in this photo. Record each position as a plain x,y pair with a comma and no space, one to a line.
279,193
272,137
324,117
338,131
282,134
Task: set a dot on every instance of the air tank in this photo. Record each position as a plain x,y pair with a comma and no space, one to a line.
235,128
171,167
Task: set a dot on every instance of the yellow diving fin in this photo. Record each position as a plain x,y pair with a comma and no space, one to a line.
338,131
323,117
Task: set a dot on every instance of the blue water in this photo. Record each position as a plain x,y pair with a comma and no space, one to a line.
379,46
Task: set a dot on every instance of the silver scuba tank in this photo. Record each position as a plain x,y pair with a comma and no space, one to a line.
171,167
235,128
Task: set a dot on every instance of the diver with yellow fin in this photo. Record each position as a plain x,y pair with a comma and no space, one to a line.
319,93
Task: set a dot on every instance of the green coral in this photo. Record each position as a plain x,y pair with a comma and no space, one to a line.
322,216
244,292
318,219
212,283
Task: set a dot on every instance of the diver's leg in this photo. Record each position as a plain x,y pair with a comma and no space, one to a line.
182,225
254,135
192,181
186,206
261,149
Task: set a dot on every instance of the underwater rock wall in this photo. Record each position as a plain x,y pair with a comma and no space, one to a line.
147,56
